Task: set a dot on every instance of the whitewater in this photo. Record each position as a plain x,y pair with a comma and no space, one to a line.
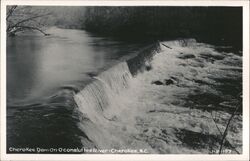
170,98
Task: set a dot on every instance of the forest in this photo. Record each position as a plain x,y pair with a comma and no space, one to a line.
207,24
217,25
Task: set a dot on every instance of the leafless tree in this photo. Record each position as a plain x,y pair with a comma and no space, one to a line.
23,18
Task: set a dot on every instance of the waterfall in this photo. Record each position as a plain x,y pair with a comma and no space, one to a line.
100,102
96,99
123,109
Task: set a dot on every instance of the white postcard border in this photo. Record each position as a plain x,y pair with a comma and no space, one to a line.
244,156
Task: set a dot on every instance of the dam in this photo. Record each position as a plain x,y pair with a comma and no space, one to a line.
82,91
123,108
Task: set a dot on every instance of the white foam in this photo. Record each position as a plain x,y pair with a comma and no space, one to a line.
131,112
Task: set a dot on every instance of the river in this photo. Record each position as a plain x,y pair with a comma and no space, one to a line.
43,74
73,90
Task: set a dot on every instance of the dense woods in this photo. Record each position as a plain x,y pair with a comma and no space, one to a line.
67,17
208,24
212,24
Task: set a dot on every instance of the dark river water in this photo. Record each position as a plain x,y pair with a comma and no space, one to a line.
43,74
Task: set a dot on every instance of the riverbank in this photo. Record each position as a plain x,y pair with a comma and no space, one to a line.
180,104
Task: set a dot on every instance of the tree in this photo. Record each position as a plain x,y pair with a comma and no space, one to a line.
23,18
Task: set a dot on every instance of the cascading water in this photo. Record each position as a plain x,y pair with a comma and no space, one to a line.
43,75
161,99
97,98
100,103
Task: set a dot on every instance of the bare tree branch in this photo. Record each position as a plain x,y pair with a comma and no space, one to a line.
32,28
29,19
10,11
227,126
221,134
24,18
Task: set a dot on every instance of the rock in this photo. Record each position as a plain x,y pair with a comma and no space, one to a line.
165,82
148,67
186,56
168,81
157,82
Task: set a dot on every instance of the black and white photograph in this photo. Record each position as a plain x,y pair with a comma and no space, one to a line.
99,79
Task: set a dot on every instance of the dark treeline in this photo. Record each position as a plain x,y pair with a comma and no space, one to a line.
210,24
67,17
217,25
